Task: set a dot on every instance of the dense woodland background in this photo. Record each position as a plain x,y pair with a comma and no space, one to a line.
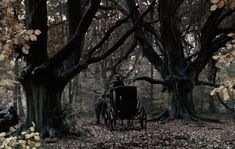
82,94
81,91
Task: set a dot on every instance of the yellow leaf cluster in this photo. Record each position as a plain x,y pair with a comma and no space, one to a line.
231,4
12,30
225,89
231,35
218,4
229,56
27,139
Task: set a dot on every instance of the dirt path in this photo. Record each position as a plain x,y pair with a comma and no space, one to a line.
175,134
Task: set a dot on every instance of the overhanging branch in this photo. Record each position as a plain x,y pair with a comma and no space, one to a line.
124,57
122,39
147,48
57,24
206,83
66,76
107,35
88,60
77,38
208,34
113,48
221,41
113,7
223,16
150,80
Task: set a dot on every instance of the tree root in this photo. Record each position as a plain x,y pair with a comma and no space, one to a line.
165,116
223,103
160,117
50,132
206,119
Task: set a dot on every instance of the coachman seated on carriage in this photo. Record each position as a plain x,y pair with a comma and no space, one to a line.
117,81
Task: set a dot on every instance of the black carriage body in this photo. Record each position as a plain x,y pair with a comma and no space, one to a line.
124,105
124,102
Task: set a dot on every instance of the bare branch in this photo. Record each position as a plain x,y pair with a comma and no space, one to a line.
206,83
176,4
107,34
221,41
155,33
223,16
113,7
208,34
134,65
192,55
113,48
73,71
147,48
57,24
132,48
122,39
76,40
150,80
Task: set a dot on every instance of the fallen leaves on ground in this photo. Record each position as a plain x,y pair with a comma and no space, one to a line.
173,134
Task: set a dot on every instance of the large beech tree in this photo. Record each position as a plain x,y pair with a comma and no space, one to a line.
179,65
45,77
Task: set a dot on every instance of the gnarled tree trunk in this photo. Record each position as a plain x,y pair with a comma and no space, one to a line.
43,101
180,66
44,78
211,76
180,82
181,100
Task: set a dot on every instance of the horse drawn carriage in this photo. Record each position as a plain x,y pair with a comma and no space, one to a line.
124,105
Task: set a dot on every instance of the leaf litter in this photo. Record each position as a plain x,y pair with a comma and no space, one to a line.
173,134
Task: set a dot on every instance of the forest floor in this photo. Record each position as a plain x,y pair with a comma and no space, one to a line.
173,134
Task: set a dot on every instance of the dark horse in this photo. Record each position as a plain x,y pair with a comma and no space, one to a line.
8,118
100,108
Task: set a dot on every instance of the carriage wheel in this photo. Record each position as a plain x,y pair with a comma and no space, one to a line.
143,118
113,117
130,122
111,120
106,118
